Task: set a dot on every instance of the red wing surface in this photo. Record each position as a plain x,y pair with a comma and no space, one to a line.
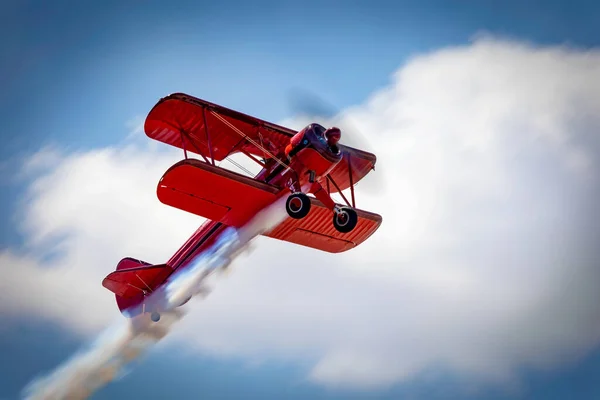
132,282
214,193
316,230
217,132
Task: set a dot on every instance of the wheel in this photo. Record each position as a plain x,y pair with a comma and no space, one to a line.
297,205
345,219
155,316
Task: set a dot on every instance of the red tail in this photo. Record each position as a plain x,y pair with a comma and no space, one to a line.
133,280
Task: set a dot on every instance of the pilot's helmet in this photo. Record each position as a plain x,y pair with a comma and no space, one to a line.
333,135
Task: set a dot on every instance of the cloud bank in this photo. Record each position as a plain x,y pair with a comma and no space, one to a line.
486,260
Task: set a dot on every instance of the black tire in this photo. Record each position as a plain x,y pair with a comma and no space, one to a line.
298,205
345,220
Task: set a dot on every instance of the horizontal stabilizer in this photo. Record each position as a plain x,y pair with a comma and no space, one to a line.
133,278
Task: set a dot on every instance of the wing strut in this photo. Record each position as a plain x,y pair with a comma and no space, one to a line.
210,149
198,150
351,180
183,133
183,144
242,134
252,158
329,178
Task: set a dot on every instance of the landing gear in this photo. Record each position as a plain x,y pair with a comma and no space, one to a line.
155,316
344,219
185,301
297,205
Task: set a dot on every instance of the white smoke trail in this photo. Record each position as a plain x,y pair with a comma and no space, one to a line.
105,358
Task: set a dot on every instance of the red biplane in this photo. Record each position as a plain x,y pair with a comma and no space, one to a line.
294,164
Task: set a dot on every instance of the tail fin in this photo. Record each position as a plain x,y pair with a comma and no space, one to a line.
133,280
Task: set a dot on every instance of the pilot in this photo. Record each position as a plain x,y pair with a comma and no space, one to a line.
333,135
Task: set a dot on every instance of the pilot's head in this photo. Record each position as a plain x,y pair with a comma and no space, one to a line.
333,135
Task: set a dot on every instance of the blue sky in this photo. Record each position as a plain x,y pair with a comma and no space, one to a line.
74,75
82,70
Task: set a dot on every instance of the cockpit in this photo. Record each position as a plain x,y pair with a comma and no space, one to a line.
321,140
327,137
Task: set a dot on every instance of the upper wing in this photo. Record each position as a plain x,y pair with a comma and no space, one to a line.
211,130
217,132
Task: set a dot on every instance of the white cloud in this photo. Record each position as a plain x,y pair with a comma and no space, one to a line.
485,261
80,217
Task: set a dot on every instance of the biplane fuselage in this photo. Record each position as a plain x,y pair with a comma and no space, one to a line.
293,165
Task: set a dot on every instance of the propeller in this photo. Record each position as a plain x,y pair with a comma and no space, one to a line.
313,108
